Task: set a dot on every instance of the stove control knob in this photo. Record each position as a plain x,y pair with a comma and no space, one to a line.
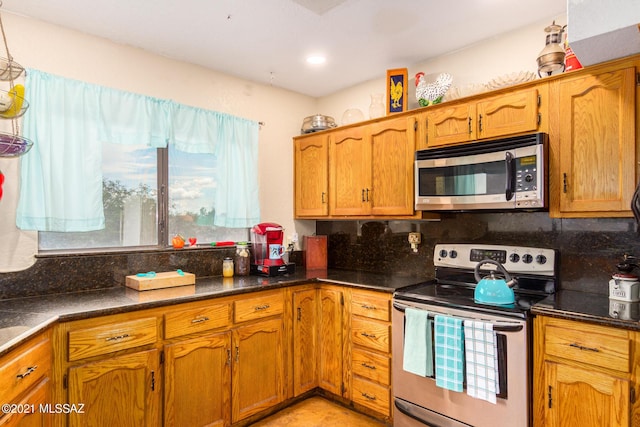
541,259
453,253
527,259
514,257
443,253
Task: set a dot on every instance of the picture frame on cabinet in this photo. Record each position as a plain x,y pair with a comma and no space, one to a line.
397,90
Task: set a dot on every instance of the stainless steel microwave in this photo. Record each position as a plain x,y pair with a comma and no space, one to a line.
502,174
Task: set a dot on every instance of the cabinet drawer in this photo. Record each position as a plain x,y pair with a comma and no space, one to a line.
371,395
198,319
370,365
258,307
112,337
371,306
371,334
594,346
18,373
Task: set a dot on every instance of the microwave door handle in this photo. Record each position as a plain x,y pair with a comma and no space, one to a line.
509,162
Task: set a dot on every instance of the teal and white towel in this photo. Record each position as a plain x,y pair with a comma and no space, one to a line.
418,347
449,350
481,357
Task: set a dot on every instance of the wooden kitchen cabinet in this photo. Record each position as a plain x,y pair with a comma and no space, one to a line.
122,390
585,374
371,169
507,113
258,354
311,176
25,378
370,363
305,339
593,142
197,369
331,343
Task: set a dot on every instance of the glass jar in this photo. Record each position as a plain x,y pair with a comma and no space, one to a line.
376,108
227,267
242,263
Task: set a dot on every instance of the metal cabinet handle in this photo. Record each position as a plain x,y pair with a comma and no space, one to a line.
117,337
480,122
229,356
237,354
261,307
299,314
366,365
564,182
199,319
368,396
28,372
363,195
322,199
368,307
469,121
367,194
364,334
581,347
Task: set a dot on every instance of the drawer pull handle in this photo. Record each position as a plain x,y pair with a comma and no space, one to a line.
262,307
369,307
117,337
368,396
28,372
581,347
366,365
364,334
200,319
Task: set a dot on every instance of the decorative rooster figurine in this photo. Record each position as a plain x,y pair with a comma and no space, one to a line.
432,93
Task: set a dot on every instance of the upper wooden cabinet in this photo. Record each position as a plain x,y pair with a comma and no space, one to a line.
371,169
311,179
507,113
593,143
358,171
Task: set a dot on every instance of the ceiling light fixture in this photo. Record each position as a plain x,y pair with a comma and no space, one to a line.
316,59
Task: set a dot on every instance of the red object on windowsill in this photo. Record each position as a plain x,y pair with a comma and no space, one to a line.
1,182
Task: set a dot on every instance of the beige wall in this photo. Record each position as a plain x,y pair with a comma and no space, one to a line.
57,50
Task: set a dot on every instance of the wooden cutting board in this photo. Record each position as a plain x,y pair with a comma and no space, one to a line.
167,279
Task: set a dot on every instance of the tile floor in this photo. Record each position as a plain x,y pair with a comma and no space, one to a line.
317,412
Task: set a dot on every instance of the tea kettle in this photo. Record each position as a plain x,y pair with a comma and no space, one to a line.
494,289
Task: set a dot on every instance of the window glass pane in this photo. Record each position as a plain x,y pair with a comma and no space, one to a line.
130,203
192,186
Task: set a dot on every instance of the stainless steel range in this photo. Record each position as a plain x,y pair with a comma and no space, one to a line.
472,366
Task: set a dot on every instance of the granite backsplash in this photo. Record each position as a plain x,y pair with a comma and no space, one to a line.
589,251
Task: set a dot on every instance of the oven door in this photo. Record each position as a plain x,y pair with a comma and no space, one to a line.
495,175
419,401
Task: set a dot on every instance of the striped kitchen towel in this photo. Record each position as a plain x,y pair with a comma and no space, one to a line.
481,358
449,350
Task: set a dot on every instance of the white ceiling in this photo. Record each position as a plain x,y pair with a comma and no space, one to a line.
267,41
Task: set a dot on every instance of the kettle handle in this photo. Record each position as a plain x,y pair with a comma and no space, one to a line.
476,272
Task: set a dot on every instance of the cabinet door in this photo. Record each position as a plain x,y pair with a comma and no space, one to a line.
311,176
330,347
581,397
451,124
597,142
350,171
258,374
393,148
198,382
508,113
120,391
305,373
34,416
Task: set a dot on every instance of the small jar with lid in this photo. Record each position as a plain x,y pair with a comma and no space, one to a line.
242,261
227,267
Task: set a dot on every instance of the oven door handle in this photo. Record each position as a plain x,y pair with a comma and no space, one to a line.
509,161
497,328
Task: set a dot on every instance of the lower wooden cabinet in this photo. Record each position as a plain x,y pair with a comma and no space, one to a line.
331,340
305,339
585,374
122,390
198,381
26,386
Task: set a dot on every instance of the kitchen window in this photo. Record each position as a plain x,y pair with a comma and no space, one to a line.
120,170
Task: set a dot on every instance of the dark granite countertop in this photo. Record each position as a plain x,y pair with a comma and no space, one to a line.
22,317
590,307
